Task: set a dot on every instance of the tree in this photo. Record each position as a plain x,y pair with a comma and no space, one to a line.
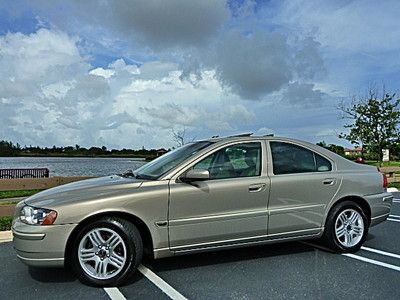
180,137
332,147
374,121
7,149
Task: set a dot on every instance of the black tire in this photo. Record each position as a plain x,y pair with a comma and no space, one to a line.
133,245
330,238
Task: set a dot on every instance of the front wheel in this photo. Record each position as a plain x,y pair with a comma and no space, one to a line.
346,227
107,252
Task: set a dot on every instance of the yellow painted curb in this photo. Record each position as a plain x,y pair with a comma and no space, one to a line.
6,236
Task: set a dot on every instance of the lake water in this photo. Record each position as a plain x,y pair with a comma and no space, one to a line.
73,166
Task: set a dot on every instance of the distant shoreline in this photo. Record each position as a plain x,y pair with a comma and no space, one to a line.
145,158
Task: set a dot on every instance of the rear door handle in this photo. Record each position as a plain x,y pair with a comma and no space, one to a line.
254,188
329,181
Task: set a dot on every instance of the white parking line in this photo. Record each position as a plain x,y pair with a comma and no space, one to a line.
372,261
394,216
161,284
393,220
114,293
380,252
396,200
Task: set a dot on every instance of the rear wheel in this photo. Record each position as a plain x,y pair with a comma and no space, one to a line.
346,227
107,252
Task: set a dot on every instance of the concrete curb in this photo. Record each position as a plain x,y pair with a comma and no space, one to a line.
392,190
6,236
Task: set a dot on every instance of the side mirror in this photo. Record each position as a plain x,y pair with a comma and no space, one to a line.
195,175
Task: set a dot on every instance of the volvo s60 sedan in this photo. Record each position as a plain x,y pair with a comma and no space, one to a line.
211,194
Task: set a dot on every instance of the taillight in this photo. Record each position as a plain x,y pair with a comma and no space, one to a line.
385,181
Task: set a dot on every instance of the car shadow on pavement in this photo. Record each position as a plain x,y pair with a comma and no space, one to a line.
370,237
51,274
59,275
228,256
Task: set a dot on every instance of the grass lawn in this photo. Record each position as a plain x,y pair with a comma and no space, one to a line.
5,203
384,164
395,184
13,194
5,223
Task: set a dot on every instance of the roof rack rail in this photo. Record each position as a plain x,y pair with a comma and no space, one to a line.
241,135
269,134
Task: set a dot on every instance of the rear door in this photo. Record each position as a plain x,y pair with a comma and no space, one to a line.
302,184
229,207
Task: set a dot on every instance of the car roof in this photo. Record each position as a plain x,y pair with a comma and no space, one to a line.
249,136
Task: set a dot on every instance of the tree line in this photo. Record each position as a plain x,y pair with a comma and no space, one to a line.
373,123
8,148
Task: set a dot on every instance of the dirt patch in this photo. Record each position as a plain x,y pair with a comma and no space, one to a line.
7,210
36,183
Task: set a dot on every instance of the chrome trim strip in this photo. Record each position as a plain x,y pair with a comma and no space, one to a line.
295,208
162,252
242,244
204,219
29,236
240,240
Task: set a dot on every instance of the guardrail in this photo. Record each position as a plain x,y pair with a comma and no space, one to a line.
24,173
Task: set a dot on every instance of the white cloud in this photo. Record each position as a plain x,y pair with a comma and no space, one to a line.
356,26
126,72
79,104
302,94
251,61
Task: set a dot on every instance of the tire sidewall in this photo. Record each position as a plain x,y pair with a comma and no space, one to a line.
331,237
131,261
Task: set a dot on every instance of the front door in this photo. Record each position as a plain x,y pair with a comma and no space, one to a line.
229,207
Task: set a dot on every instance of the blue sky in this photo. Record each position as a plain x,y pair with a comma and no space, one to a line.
129,73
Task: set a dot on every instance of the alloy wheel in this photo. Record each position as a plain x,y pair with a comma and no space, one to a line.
349,227
102,253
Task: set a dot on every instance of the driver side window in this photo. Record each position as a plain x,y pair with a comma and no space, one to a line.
240,160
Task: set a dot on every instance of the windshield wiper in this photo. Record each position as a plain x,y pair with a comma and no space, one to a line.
126,174
143,176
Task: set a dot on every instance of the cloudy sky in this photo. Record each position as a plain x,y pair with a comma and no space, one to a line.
126,73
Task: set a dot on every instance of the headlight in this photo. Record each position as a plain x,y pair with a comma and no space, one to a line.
37,216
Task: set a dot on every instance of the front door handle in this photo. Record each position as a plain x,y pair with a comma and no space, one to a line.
329,181
254,188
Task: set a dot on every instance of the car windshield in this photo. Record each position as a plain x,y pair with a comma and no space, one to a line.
162,165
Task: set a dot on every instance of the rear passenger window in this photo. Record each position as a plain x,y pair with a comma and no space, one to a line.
323,164
289,158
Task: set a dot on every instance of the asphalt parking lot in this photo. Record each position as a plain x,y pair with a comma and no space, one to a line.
281,271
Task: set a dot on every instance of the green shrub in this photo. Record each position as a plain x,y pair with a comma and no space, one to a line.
395,185
5,223
13,194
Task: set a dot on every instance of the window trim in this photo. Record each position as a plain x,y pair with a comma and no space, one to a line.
271,159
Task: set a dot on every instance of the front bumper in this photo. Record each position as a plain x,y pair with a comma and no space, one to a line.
380,205
41,246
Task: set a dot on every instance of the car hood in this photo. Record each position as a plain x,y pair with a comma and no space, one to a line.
90,189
